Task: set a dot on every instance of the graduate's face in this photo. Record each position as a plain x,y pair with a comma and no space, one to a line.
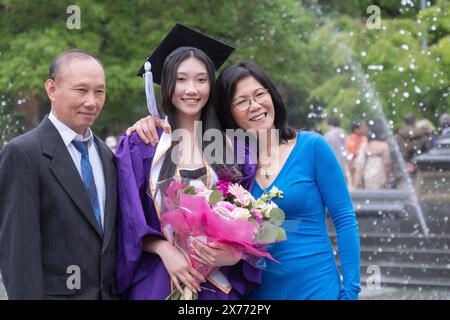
78,93
258,116
192,88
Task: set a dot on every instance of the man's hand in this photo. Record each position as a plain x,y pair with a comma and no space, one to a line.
146,129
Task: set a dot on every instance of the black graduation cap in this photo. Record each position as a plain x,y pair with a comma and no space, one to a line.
182,36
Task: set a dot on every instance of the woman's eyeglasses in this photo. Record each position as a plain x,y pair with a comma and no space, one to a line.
260,96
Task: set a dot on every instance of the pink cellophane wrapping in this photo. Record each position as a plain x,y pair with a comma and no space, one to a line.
191,216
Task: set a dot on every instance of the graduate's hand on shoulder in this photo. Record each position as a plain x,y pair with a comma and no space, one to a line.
146,129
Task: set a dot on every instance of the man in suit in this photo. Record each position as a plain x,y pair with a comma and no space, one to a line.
58,194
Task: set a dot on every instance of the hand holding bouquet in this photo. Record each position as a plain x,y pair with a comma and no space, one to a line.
224,215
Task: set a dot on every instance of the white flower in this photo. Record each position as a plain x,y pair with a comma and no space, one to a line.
267,207
275,193
240,213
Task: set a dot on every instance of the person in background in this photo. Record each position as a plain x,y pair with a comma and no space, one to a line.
354,142
444,123
373,164
427,128
111,142
336,138
411,141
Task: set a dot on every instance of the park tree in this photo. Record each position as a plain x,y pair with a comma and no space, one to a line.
311,49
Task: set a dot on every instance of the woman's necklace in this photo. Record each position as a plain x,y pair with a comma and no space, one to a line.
265,173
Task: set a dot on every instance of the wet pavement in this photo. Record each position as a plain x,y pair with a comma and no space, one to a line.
383,293
399,293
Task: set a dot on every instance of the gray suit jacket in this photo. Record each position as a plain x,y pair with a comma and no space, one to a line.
50,244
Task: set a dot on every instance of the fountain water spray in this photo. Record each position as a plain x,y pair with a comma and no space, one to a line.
371,94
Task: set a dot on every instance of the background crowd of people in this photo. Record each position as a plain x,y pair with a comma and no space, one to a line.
366,157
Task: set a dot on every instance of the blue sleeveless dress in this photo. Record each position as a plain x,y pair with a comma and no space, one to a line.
311,180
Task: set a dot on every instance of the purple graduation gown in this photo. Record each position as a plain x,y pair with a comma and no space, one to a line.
141,275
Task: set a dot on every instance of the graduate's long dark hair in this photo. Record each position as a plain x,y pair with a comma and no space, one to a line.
226,88
208,113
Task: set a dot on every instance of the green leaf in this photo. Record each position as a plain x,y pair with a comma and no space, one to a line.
189,190
174,295
268,233
215,197
281,234
277,216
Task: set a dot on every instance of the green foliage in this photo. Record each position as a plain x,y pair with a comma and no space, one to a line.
11,123
405,76
277,216
356,8
189,190
311,49
215,197
270,233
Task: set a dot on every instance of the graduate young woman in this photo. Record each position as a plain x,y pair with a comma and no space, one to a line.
150,266
312,181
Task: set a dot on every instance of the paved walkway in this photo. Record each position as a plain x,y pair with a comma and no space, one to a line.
384,293
399,293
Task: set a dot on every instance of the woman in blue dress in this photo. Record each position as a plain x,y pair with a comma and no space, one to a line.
306,170
311,179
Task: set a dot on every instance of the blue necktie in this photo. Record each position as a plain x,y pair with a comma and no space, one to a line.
88,179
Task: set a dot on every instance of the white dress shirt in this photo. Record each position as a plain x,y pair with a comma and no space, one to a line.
68,135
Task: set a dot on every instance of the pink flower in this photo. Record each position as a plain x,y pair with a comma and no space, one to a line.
224,209
229,206
243,197
222,212
257,214
223,186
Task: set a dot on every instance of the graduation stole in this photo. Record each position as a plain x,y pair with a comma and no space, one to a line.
217,278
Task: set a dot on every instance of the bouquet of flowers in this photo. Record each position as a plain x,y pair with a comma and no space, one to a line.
225,213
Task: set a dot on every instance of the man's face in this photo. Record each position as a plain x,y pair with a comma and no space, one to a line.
78,93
